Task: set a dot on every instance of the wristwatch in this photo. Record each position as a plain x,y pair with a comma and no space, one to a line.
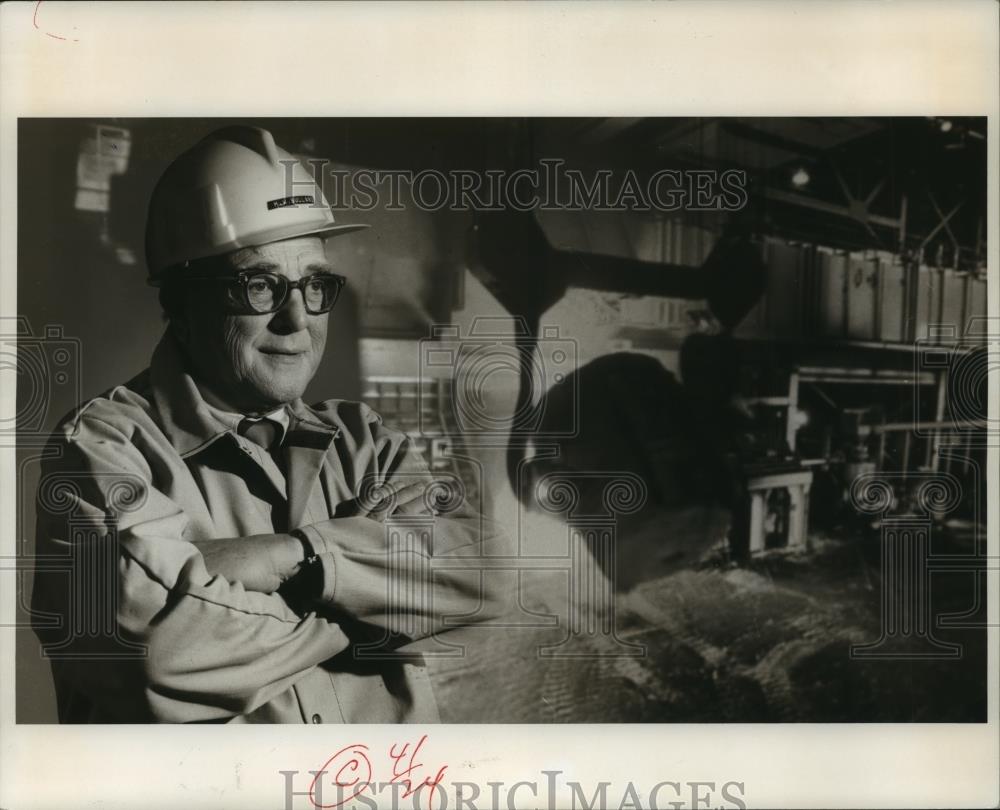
310,555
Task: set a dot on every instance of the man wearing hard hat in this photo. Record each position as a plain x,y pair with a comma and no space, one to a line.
216,550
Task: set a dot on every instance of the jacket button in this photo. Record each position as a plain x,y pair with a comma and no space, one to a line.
317,719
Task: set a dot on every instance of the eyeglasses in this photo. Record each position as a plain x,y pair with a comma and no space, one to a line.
262,293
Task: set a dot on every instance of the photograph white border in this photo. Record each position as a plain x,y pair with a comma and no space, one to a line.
843,58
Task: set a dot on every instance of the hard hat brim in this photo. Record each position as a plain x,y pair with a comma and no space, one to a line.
332,230
290,232
266,238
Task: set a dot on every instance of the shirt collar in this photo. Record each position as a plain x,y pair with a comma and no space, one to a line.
279,415
189,421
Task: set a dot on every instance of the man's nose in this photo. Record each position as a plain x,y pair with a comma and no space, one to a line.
292,317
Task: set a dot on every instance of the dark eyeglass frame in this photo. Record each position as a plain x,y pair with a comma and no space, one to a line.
283,288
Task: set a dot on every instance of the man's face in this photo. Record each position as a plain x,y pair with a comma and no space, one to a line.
252,362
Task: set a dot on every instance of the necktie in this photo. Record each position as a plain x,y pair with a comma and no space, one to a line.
266,433
263,432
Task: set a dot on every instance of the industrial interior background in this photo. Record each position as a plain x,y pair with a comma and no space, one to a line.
754,370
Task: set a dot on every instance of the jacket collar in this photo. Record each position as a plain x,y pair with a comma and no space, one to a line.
191,423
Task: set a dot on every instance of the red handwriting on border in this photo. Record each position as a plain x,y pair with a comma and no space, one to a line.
352,760
352,770
34,22
401,770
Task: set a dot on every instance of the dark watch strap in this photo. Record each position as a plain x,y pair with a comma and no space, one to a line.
311,557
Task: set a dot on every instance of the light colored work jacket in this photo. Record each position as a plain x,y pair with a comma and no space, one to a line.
138,630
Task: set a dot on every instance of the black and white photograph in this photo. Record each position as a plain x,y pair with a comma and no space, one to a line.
440,425
609,420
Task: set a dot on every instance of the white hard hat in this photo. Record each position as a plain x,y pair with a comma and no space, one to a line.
235,188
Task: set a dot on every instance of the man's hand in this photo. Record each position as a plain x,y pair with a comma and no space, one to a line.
261,562
403,500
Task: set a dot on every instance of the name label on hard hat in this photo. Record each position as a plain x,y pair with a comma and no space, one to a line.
285,202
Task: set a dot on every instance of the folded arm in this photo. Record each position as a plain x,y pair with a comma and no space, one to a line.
409,558
377,565
178,641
